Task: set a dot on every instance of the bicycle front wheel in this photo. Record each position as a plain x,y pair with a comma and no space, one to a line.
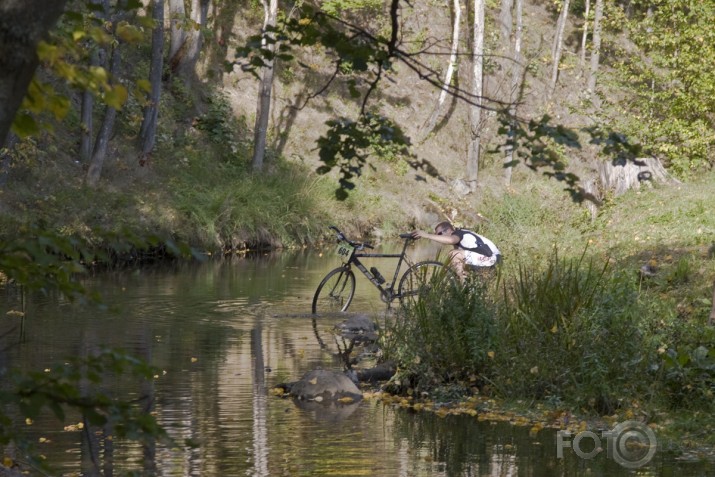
335,292
420,278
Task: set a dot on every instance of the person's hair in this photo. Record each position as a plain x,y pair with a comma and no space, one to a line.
443,227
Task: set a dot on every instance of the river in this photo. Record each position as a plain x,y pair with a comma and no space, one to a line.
222,333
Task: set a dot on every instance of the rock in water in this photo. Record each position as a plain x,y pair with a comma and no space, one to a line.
325,385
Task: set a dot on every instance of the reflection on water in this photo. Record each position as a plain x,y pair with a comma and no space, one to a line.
223,333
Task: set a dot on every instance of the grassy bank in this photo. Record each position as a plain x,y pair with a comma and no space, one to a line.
197,188
574,323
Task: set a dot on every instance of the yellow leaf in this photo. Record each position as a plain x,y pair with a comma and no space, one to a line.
491,354
128,33
555,329
313,381
144,85
78,35
116,96
193,360
7,462
534,370
47,53
535,429
345,400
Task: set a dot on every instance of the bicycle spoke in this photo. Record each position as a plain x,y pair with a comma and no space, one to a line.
420,279
335,292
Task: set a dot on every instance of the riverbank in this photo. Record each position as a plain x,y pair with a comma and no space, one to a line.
688,436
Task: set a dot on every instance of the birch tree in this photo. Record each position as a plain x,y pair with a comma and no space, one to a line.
584,36
177,22
596,49
516,75
505,21
270,9
446,85
558,46
475,126
186,36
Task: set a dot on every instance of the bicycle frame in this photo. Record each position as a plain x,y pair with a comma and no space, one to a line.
388,292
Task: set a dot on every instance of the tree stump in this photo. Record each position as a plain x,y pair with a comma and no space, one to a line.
591,187
622,176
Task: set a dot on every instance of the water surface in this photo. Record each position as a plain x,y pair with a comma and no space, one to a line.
222,333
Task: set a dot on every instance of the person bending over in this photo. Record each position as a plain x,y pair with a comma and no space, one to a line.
470,249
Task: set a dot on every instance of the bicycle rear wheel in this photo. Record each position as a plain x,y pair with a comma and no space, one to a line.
335,292
420,278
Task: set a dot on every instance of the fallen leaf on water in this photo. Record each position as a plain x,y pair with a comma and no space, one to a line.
193,360
346,400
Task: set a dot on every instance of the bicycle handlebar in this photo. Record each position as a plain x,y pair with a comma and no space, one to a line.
359,245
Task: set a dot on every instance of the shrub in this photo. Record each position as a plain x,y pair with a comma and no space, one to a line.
569,332
444,338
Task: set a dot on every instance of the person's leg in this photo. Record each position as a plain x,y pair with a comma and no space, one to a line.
456,259
483,266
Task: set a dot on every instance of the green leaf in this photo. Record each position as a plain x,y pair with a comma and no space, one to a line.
24,125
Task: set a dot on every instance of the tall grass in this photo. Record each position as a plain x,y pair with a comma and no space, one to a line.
444,338
572,331
227,204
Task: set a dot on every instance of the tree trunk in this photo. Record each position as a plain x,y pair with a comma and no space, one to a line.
584,37
199,13
432,121
264,94
619,178
477,93
6,158
711,320
23,23
183,59
87,107
505,21
177,16
516,74
596,52
102,144
558,46
105,131
147,132
87,117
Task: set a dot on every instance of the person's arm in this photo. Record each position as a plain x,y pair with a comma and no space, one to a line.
443,239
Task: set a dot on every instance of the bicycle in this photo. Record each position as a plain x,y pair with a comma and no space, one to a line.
337,288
